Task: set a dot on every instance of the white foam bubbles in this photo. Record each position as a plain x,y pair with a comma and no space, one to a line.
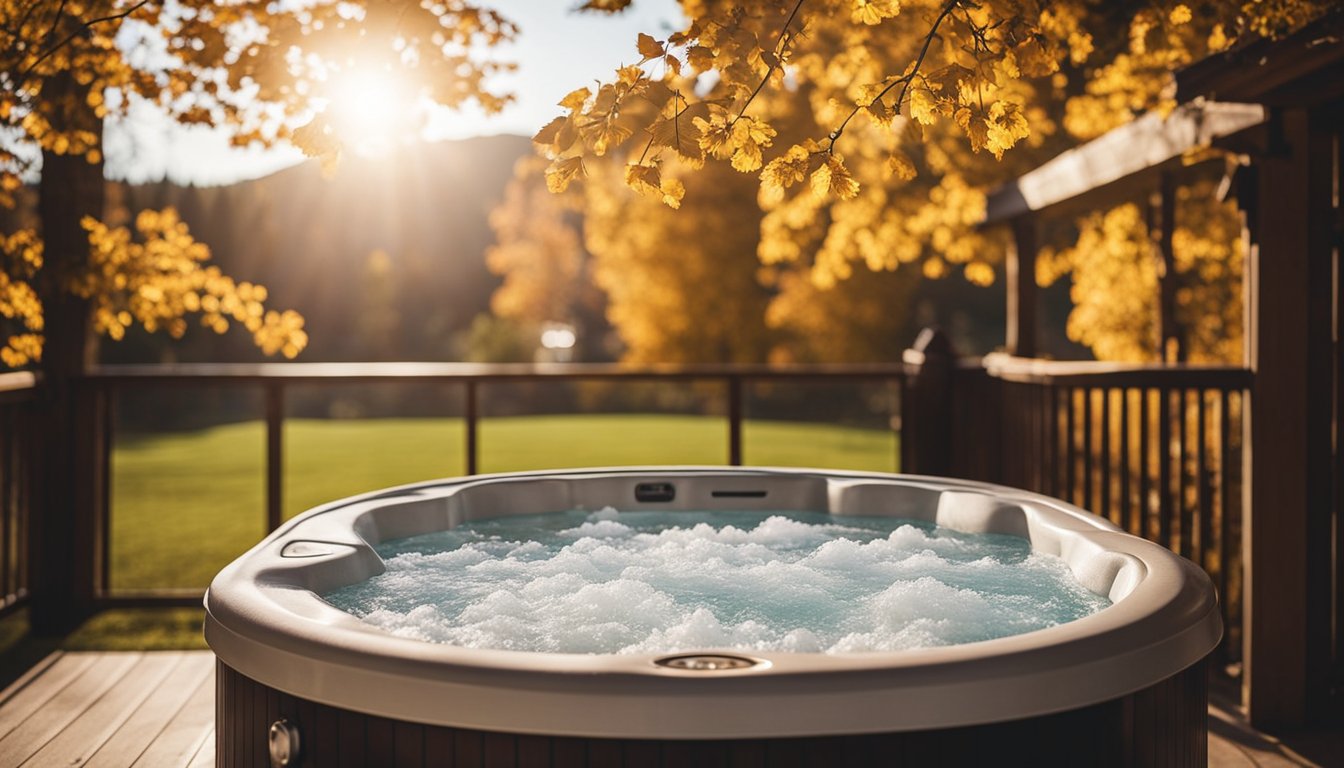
611,582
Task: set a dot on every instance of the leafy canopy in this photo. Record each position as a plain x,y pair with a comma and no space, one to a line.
873,129
266,72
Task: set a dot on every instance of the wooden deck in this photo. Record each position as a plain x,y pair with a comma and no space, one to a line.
155,709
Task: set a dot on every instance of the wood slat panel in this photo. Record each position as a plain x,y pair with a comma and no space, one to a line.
1162,719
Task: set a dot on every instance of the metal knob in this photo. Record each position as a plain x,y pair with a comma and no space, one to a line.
285,744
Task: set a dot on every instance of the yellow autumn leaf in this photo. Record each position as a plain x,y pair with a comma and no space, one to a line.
973,123
575,99
629,75
872,12
648,47
1005,126
923,106
549,132
700,58
716,136
783,172
607,132
644,179
562,172
833,178
901,166
673,192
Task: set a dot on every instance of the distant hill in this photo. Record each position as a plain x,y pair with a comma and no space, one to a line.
385,260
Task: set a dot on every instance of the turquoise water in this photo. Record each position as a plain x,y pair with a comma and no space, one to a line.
653,582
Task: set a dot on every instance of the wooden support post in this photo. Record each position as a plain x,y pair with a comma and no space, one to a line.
1021,286
275,455
1172,346
926,422
1287,594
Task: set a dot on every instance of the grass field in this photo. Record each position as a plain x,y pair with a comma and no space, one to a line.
185,504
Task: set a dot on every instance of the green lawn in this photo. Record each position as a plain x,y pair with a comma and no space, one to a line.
185,504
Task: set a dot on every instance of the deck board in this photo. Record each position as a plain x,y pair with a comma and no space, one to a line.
101,721
61,710
38,686
181,739
147,722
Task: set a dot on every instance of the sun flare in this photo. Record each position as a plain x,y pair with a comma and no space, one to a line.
371,110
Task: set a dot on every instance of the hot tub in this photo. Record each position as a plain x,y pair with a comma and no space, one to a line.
302,680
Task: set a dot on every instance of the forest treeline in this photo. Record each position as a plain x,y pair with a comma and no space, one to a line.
383,260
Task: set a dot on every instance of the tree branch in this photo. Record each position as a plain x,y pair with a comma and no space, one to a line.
781,41
905,80
84,26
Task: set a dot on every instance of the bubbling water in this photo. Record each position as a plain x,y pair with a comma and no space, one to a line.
657,582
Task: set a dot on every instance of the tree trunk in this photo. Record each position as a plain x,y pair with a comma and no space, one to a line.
62,530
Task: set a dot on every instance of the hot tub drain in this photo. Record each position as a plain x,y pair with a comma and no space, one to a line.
707,662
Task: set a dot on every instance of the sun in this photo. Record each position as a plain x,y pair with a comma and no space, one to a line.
371,110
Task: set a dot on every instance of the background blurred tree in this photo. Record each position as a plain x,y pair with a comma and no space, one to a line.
897,115
1115,282
681,286
547,271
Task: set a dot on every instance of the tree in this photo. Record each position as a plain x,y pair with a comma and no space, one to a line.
1115,280
263,71
253,68
899,116
547,271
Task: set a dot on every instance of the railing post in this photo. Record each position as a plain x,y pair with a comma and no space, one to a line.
63,538
472,419
275,424
735,421
926,421
1020,328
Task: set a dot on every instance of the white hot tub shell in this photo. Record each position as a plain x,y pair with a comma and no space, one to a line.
278,639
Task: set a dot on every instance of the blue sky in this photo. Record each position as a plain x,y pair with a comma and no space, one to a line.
556,52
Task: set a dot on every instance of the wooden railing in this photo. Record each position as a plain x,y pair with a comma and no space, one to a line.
17,394
1156,450
732,386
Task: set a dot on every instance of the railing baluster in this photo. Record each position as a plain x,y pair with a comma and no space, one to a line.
1126,502
1056,455
1165,512
1146,528
1203,490
1226,547
1089,503
1105,510
1183,508
1070,459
